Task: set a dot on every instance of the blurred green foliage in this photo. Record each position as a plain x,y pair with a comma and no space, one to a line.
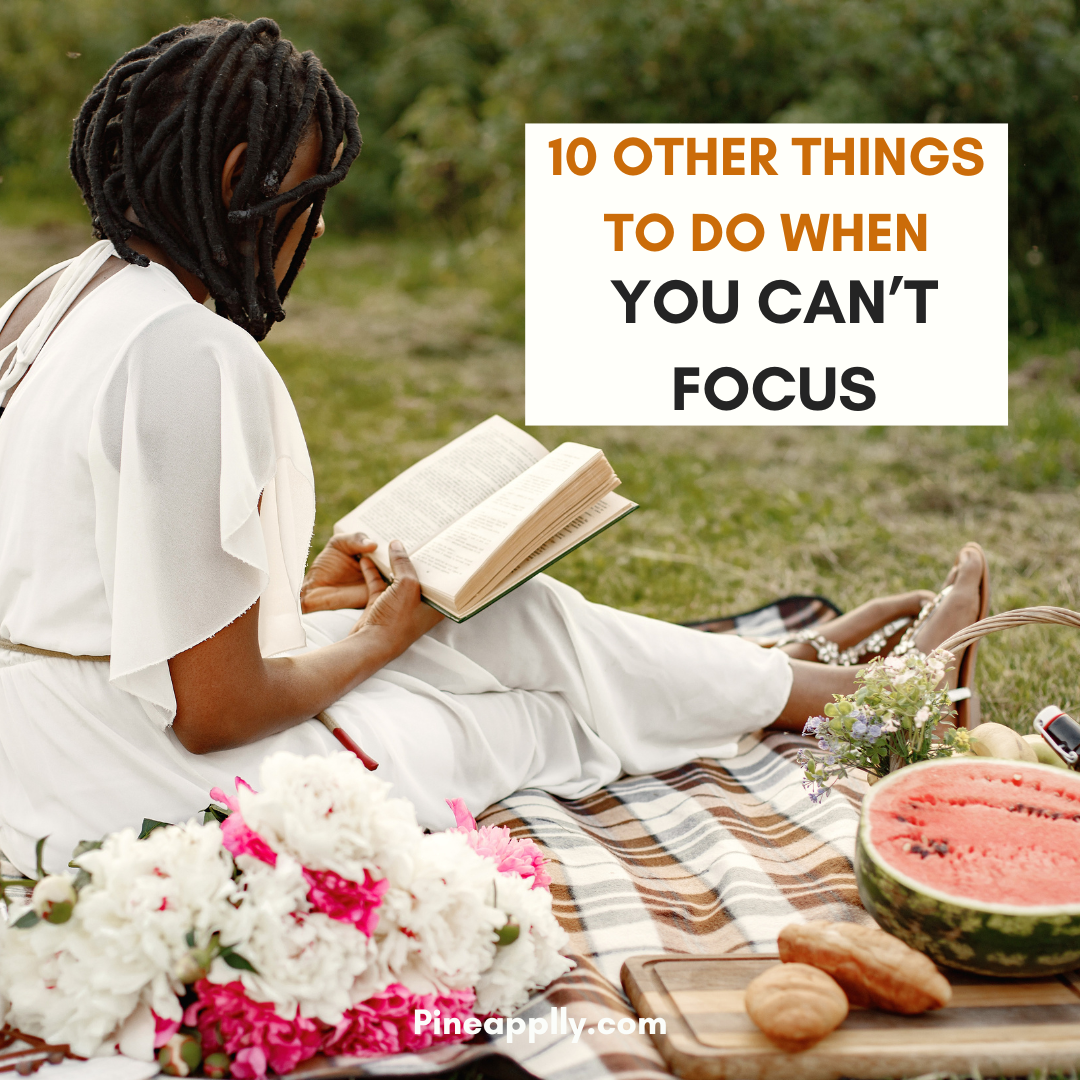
444,86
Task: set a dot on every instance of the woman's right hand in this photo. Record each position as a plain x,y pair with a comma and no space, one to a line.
228,694
395,614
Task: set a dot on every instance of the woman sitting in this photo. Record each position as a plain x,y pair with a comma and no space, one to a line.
158,637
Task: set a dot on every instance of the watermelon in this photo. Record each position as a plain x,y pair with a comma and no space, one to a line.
976,862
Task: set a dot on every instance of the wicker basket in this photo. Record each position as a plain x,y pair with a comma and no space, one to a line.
1008,620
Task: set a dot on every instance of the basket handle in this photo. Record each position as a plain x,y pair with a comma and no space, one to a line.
1007,620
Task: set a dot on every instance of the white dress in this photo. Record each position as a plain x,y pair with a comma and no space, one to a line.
132,460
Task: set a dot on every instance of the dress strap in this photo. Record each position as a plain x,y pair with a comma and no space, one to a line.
16,359
12,646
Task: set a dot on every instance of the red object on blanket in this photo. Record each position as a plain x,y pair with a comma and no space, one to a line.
342,737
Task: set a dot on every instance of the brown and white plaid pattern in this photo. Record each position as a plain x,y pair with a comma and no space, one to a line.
712,857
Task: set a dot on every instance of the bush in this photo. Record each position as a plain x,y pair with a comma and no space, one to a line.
444,86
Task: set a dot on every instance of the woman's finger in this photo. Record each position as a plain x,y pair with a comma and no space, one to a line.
352,544
401,564
373,578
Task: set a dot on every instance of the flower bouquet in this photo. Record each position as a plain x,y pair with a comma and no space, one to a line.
900,714
311,916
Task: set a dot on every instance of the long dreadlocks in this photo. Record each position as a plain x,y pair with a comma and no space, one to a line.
155,132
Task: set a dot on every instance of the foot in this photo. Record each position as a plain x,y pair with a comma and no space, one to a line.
960,608
857,625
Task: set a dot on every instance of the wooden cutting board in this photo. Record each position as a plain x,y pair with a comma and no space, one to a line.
995,1027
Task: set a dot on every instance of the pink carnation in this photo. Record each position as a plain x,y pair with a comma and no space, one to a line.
236,835
521,857
230,1022
383,1024
347,901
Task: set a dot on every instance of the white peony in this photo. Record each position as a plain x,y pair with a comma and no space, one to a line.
438,920
438,924
530,962
303,959
330,813
77,982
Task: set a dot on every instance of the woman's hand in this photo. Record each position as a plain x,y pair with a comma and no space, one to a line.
395,613
336,579
227,694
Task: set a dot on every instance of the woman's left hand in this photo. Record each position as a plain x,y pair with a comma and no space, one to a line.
336,579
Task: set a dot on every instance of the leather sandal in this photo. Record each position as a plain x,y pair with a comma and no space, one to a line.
829,652
968,711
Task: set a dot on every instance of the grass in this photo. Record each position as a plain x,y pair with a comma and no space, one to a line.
394,345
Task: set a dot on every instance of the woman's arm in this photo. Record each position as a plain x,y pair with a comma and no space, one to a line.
227,694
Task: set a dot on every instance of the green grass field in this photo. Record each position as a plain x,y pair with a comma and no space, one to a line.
395,345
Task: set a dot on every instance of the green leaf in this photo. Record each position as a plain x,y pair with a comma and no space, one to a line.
235,960
214,813
25,921
189,937
81,848
149,825
39,849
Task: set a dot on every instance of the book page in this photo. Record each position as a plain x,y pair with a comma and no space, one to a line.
608,510
447,562
431,495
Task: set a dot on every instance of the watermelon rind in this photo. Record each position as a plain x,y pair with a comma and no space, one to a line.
956,931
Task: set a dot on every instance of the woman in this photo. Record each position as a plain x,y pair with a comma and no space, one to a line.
158,502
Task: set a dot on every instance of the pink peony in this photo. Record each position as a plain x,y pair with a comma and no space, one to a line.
347,901
521,857
236,835
164,1030
383,1024
329,892
230,1022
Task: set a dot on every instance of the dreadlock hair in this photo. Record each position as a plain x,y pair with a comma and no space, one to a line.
155,132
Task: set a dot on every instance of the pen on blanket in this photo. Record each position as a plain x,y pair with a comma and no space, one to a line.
342,737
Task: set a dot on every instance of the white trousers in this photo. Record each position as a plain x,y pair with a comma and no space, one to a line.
544,689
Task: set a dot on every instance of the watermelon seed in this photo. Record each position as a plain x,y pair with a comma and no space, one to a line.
1038,811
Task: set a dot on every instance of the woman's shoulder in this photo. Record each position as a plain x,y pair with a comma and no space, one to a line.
179,326
184,358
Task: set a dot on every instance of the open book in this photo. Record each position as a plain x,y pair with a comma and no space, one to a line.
487,512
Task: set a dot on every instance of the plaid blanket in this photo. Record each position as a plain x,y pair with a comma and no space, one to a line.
708,858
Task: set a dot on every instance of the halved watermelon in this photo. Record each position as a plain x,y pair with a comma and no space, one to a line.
976,862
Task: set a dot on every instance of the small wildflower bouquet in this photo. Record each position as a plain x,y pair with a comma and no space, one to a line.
311,916
900,714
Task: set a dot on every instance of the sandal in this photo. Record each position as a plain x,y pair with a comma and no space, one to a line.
829,652
968,712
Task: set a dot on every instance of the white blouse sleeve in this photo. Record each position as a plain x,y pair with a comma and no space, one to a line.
191,428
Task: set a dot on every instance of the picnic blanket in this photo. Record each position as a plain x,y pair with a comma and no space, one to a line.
712,857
